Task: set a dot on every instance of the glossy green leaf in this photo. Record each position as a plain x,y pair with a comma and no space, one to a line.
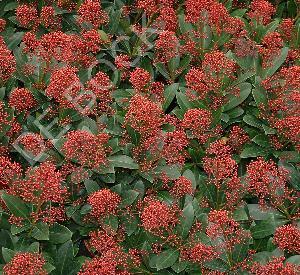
16,206
165,259
40,231
123,161
234,101
59,234
263,228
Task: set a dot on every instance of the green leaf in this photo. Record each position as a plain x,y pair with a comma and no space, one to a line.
14,40
268,130
261,140
130,224
190,175
7,254
288,156
40,232
209,191
34,247
234,101
252,151
238,12
91,186
294,174
293,259
257,213
263,228
85,209
262,257
252,121
4,223
134,135
240,252
184,26
184,62
64,259
2,92
16,206
164,260
172,171
11,6
240,214
123,161
243,77
162,69
260,96
165,197
89,125
217,264
276,63
48,267
184,102
187,220
128,198
173,64
19,229
179,266
169,95
112,221
59,234
236,112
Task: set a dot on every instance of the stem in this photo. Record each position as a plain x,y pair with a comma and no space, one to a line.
228,250
284,211
139,40
143,271
39,206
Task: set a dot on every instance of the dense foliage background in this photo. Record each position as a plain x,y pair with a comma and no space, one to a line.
149,137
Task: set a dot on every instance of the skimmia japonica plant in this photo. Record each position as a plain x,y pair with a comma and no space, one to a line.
149,137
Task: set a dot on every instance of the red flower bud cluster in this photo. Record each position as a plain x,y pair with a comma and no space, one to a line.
9,171
2,24
261,11
182,186
73,49
223,226
271,48
86,148
222,171
268,182
32,143
27,15
198,121
287,237
140,79
167,20
166,46
64,86
41,184
200,253
103,202
152,6
174,148
25,263
90,11
22,100
102,241
157,216
7,62
144,116
275,266
283,103
207,80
